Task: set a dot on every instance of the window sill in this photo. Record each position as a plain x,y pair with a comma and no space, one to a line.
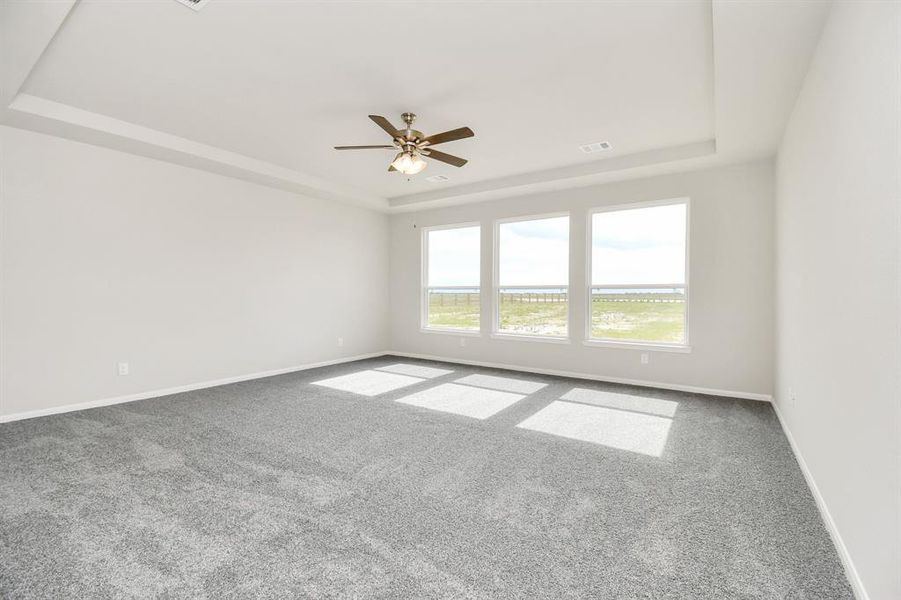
651,347
547,339
457,332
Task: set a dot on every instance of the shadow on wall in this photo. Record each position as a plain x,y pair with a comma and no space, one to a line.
622,421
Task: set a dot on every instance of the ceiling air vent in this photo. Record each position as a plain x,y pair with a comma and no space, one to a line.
195,4
595,147
437,178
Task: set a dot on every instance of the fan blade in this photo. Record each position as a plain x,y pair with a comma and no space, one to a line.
446,158
361,147
386,125
449,136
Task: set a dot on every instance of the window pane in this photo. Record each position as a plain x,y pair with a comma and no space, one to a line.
534,252
533,272
527,311
646,315
453,299
639,246
454,257
456,308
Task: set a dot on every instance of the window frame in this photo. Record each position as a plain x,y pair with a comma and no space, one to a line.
424,287
496,332
589,340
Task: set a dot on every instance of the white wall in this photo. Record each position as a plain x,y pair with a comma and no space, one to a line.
186,275
731,278
838,220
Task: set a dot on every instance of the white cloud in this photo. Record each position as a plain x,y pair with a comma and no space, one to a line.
454,257
642,245
535,252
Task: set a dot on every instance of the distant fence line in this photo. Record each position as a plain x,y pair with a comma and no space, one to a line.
453,298
527,297
608,298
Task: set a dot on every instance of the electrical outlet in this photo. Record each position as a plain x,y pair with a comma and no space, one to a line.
462,342
123,368
340,342
645,359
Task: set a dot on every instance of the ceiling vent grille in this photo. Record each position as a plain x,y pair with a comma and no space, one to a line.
595,147
195,4
437,178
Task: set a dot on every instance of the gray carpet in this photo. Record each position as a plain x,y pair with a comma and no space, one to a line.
280,488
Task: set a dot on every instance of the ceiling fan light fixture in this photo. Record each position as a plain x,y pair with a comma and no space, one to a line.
413,145
409,163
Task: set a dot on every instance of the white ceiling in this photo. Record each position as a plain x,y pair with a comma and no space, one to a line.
263,90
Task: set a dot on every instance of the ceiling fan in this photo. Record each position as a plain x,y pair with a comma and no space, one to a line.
413,145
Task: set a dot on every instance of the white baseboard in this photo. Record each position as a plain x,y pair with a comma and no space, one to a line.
850,571
207,384
654,384
178,389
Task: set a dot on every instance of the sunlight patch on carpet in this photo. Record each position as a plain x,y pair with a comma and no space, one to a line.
369,383
462,400
415,370
503,384
642,404
624,430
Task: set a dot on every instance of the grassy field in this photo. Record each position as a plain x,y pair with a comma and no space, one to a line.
454,311
636,320
536,318
633,319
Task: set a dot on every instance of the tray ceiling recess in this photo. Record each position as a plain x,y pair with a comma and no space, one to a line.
245,89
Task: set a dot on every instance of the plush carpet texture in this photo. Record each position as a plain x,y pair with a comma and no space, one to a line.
394,478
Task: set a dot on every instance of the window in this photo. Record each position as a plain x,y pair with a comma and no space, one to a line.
639,288
451,293
533,277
